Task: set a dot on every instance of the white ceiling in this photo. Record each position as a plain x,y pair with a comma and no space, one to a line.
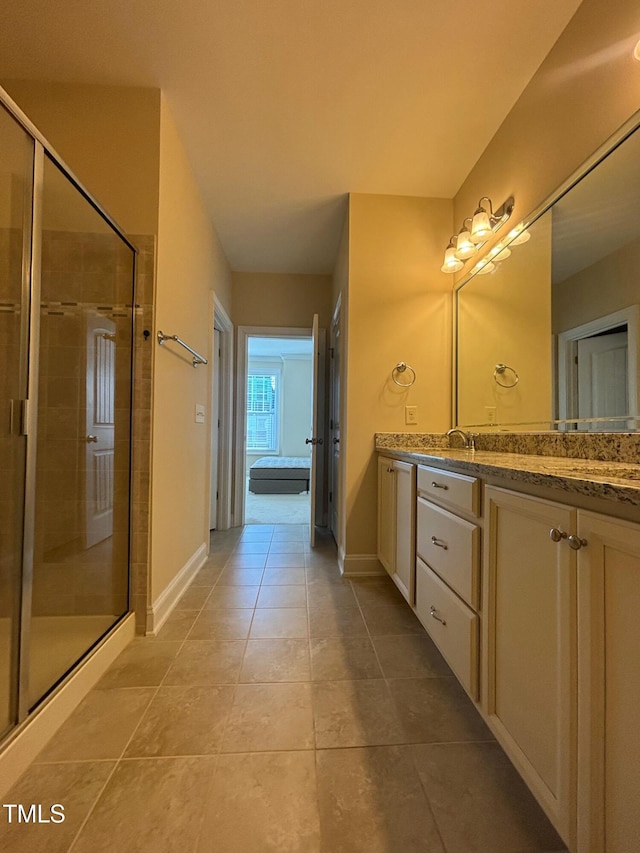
287,105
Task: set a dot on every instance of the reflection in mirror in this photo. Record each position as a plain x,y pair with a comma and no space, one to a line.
562,313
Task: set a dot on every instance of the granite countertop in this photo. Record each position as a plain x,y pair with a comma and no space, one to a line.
619,481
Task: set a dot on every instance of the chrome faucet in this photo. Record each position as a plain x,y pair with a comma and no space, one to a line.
469,438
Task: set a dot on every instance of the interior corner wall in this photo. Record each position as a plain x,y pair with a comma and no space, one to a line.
190,263
281,299
108,136
399,309
586,88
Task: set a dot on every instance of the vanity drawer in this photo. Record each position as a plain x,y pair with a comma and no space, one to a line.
451,547
452,626
456,491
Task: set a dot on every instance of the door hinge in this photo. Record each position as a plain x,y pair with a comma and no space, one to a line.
330,497
575,359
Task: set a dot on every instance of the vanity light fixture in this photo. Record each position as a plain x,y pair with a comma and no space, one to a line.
636,51
518,236
451,263
474,232
486,220
484,269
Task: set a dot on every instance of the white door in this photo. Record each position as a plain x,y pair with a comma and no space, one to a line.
100,426
334,434
215,430
314,439
603,385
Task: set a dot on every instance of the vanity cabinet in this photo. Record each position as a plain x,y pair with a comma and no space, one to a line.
448,568
396,522
529,644
609,685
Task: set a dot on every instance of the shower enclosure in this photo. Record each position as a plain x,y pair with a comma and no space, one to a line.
66,320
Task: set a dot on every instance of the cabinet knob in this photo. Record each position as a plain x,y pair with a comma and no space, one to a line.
576,543
556,535
434,613
439,543
439,486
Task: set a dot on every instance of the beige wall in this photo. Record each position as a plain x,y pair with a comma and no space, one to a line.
399,309
189,265
505,317
600,289
586,88
109,138
272,299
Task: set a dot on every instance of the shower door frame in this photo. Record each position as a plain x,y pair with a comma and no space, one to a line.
31,295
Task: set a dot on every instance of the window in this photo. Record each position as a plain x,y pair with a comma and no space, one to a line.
262,412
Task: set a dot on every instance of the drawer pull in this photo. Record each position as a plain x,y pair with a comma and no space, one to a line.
576,543
439,543
434,613
556,535
439,486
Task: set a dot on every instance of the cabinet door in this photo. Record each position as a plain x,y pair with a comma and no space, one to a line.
609,645
529,688
386,514
405,556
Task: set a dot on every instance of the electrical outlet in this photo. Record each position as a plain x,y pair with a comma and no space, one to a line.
199,414
411,414
490,414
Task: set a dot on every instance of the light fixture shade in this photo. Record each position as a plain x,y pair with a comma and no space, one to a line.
522,237
464,246
480,226
486,268
451,263
502,255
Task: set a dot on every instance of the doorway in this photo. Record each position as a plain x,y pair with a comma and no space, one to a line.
276,443
221,458
598,369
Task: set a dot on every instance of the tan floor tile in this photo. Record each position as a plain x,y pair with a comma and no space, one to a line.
177,626
233,576
260,803
409,656
291,533
286,547
376,591
343,658
256,535
283,576
336,621
207,576
228,624
252,547
141,664
233,597
75,786
388,620
330,594
480,802
322,560
280,623
247,561
193,598
158,803
276,660
282,596
285,561
371,800
183,721
101,725
202,663
267,717
354,713
436,710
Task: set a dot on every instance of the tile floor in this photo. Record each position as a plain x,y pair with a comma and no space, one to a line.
280,708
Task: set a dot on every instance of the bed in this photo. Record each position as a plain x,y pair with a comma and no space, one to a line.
279,475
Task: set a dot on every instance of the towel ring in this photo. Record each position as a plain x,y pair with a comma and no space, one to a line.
401,367
500,371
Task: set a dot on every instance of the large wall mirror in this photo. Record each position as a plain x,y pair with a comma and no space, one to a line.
549,339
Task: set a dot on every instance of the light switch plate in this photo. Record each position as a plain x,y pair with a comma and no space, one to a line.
411,414
490,414
199,416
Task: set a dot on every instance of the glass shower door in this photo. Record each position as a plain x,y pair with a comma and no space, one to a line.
16,172
81,525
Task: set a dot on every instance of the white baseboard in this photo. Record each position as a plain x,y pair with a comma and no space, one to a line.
41,726
162,607
360,566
